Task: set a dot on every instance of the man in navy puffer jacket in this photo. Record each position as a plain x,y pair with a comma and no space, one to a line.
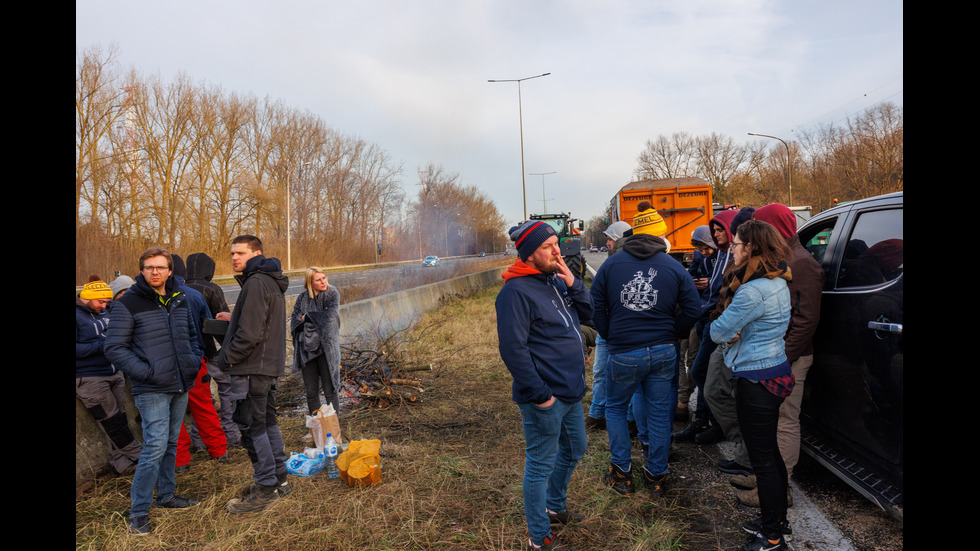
151,339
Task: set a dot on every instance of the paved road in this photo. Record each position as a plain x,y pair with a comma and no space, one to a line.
362,277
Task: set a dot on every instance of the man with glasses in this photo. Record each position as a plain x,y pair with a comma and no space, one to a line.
151,339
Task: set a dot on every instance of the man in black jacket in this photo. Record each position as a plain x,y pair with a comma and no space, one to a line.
254,356
151,339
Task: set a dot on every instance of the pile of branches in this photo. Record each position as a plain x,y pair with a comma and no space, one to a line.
378,378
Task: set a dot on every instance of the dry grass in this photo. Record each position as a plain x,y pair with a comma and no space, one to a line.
452,467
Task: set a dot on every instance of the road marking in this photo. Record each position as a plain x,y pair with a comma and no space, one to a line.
811,529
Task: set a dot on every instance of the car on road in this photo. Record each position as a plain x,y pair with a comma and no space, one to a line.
594,249
852,413
482,254
430,261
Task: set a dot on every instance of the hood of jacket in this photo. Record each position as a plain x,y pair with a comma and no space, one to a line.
644,246
200,266
519,269
269,266
723,219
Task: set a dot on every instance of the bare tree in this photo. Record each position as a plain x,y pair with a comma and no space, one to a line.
668,157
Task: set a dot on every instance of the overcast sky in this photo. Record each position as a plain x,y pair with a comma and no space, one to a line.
411,76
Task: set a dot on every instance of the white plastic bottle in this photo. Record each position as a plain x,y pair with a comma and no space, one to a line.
330,450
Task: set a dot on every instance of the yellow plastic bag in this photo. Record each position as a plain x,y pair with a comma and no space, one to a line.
360,465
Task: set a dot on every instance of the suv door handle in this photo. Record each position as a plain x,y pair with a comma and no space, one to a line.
887,327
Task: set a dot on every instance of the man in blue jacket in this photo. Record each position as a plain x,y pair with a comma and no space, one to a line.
151,339
539,311
636,293
100,387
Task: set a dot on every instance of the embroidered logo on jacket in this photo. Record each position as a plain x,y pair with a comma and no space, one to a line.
638,293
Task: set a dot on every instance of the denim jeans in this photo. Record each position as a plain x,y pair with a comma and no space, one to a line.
597,409
162,416
654,370
699,369
555,442
637,411
758,416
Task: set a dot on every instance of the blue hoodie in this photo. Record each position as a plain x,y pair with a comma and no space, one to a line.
637,293
540,339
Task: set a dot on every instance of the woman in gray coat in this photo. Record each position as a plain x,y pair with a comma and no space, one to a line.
315,326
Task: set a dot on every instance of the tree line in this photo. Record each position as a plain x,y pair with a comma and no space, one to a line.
862,156
190,166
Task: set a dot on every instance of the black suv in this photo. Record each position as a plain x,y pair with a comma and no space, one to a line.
852,401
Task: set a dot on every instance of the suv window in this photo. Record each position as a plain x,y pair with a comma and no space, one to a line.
874,251
816,238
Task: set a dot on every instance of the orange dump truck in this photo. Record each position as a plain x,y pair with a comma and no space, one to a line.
684,203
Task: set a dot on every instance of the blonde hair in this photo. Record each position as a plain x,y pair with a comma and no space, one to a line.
310,272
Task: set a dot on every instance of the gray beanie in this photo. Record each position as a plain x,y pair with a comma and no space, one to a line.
120,284
703,234
616,229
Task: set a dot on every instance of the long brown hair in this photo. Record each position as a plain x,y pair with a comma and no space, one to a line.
766,242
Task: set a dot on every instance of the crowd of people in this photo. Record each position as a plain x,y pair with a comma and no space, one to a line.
151,329
736,327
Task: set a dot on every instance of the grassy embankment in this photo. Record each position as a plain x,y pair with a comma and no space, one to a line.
452,468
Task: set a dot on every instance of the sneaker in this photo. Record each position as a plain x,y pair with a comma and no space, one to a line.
178,502
743,482
731,466
564,517
619,480
182,468
656,484
221,458
259,498
283,488
595,424
761,543
140,526
550,544
754,526
711,435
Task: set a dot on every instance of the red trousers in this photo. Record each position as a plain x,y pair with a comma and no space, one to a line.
206,419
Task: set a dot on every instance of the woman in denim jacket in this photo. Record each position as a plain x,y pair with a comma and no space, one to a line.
751,331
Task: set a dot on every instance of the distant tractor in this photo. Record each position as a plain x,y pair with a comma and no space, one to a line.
568,237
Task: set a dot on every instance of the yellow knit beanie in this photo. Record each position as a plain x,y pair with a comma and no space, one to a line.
648,220
96,289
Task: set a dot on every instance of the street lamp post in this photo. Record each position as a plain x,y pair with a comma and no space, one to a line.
289,217
544,207
789,164
520,115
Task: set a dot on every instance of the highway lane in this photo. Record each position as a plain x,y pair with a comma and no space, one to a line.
368,276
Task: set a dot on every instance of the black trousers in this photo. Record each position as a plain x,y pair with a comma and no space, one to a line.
758,415
316,372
